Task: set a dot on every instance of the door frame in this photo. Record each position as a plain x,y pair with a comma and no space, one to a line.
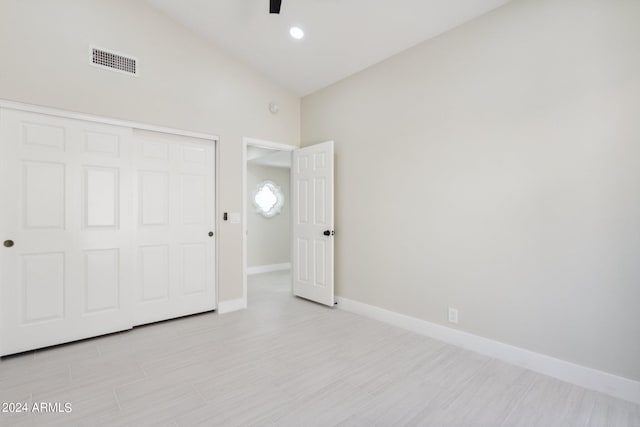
261,143
56,112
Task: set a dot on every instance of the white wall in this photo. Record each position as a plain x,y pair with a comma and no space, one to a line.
496,169
183,83
268,239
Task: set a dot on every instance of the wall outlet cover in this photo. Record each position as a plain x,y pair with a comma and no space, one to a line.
453,315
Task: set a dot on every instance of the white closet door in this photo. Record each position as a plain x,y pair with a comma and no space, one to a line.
174,232
65,225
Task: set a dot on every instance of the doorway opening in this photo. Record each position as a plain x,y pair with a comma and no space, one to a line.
311,214
266,215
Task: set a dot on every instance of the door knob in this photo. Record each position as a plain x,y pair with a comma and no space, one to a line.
329,232
211,234
8,243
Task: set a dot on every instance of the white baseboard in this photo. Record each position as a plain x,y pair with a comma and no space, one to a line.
589,378
231,305
258,269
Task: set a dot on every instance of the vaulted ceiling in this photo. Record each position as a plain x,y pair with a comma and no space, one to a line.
342,37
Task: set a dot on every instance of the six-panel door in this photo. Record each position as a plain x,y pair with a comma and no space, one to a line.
66,200
174,237
312,228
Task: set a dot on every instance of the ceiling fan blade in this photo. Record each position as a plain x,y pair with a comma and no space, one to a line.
274,6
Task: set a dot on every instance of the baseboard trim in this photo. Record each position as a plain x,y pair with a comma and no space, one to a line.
583,376
258,269
231,305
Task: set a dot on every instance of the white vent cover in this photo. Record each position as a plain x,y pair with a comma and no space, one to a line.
114,61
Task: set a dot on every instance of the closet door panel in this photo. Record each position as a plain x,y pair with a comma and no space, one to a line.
66,225
174,235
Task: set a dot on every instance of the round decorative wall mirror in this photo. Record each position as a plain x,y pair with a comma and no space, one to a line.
268,199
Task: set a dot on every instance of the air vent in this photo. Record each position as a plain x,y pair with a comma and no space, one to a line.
114,61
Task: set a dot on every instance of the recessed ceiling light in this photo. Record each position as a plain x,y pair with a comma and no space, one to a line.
296,33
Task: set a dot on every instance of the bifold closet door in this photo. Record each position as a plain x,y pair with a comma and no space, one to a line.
174,233
66,263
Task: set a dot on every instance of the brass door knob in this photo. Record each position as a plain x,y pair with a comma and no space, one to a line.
8,243
211,234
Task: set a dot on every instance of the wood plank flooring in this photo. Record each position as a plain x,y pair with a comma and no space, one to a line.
289,362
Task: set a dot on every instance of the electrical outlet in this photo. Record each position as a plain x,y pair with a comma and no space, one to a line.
453,315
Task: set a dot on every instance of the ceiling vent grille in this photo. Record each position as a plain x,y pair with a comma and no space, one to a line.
114,61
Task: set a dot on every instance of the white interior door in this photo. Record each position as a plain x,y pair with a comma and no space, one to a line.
65,224
312,228
174,232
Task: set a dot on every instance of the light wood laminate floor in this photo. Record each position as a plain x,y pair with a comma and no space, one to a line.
289,362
